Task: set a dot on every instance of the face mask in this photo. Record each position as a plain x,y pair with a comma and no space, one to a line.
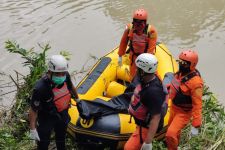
139,25
58,80
184,69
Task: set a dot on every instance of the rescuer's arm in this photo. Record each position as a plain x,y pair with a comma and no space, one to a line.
153,126
152,40
196,96
123,42
32,118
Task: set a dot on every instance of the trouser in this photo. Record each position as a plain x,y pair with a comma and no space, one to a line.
134,142
177,121
45,126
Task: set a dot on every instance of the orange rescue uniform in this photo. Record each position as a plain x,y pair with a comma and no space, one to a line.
186,95
134,142
144,43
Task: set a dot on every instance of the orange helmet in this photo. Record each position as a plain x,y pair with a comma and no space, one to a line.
191,56
140,14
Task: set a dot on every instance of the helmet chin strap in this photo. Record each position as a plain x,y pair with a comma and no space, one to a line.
50,76
140,73
142,76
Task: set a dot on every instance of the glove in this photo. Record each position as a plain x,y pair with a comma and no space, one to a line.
194,131
120,61
146,146
34,135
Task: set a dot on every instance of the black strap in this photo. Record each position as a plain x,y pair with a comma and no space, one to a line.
189,76
140,132
130,119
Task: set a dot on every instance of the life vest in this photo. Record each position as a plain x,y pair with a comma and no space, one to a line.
138,44
137,109
62,97
180,90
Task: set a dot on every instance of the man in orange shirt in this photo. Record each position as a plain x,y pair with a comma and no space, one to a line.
141,38
186,91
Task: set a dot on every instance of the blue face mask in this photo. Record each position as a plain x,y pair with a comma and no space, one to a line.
58,80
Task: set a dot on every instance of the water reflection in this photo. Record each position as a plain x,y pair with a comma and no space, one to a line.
174,20
94,27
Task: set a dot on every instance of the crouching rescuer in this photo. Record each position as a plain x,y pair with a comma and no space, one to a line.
50,103
146,104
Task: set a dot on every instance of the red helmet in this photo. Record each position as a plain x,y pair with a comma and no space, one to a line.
191,56
140,14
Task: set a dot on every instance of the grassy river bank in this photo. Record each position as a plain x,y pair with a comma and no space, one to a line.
14,128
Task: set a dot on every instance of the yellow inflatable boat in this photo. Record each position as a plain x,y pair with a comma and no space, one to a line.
104,81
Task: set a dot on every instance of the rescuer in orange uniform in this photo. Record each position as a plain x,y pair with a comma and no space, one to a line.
186,91
141,38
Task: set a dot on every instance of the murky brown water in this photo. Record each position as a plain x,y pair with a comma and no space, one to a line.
93,27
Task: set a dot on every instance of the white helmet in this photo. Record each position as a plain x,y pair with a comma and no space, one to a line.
57,63
147,62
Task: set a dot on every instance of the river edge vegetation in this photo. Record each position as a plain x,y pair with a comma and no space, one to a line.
14,128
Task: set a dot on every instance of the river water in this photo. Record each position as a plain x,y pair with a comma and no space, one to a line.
93,27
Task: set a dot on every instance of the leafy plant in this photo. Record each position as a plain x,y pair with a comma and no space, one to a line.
18,119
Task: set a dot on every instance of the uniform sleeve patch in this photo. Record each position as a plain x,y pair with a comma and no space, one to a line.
198,92
153,35
36,103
